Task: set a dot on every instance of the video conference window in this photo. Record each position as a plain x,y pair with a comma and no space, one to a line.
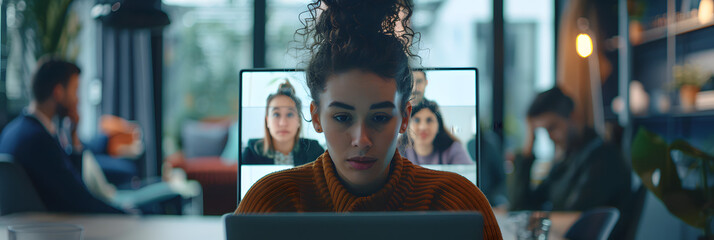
276,134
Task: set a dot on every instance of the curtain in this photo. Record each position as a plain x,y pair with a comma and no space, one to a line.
128,87
573,73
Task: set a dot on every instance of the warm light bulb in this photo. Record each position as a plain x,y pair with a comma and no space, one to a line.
706,11
584,44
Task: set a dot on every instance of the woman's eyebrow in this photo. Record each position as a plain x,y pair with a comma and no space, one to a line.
341,105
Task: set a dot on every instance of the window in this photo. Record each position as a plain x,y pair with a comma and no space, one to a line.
205,47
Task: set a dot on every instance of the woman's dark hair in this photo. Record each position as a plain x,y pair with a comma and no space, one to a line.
267,147
50,72
443,138
551,101
369,35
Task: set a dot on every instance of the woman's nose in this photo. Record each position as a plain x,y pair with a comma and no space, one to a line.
360,137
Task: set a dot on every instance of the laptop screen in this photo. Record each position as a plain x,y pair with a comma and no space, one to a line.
454,90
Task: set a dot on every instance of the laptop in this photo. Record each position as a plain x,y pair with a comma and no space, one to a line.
454,89
357,226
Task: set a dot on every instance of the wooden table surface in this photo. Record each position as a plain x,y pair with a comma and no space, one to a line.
115,227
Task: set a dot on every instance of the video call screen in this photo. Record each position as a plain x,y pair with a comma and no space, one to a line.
453,90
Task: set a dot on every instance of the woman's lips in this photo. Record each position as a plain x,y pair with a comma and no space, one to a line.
361,163
423,135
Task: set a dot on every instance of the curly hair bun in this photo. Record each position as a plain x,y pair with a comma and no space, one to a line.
346,23
286,89
370,35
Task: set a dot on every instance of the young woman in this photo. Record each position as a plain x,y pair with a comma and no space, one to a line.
428,142
360,83
282,143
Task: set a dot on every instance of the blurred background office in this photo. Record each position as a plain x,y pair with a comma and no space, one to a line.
171,67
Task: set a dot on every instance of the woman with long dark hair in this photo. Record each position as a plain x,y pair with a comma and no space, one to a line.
360,83
428,141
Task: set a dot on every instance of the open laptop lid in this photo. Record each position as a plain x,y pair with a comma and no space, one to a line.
454,89
364,225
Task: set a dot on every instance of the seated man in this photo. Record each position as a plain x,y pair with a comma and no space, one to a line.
587,172
51,153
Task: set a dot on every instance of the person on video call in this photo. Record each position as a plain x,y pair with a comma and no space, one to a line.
420,83
588,173
428,141
51,153
282,144
360,83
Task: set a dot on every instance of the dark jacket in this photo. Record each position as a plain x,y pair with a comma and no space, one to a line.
306,151
55,174
593,174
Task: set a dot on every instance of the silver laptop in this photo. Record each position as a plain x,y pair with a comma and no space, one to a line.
358,226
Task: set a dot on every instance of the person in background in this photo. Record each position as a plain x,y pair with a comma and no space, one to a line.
428,141
360,83
586,172
492,173
43,140
282,143
420,83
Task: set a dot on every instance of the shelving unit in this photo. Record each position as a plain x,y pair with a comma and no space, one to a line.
677,114
681,27
660,49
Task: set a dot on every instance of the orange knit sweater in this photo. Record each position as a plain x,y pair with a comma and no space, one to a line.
315,187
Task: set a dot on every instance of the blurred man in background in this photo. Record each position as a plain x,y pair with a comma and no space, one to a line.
586,172
43,140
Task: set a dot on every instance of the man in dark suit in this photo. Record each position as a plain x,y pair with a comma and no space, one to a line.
43,140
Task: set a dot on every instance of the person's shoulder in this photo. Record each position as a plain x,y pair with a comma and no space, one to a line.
452,191
437,178
23,129
456,146
252,147
310,143
253,141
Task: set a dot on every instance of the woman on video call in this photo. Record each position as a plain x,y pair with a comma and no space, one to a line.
282,144
360,83
428,142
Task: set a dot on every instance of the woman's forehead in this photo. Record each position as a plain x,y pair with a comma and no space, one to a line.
359,89
281,101
425,112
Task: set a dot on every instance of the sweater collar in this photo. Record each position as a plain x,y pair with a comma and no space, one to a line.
329,184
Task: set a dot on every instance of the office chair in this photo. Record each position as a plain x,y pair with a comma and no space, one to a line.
16,191
595,224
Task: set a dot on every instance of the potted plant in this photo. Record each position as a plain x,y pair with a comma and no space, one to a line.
678,174
688,79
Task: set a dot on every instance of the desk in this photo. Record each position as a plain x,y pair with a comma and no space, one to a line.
119,227
561,222
116,227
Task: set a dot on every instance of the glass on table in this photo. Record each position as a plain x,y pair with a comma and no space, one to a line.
56,231
529,225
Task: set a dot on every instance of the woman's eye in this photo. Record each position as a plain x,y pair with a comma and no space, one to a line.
342,118
416,120
276,114
291,115
381,118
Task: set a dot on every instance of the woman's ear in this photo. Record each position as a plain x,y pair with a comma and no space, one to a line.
405,118
315,113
